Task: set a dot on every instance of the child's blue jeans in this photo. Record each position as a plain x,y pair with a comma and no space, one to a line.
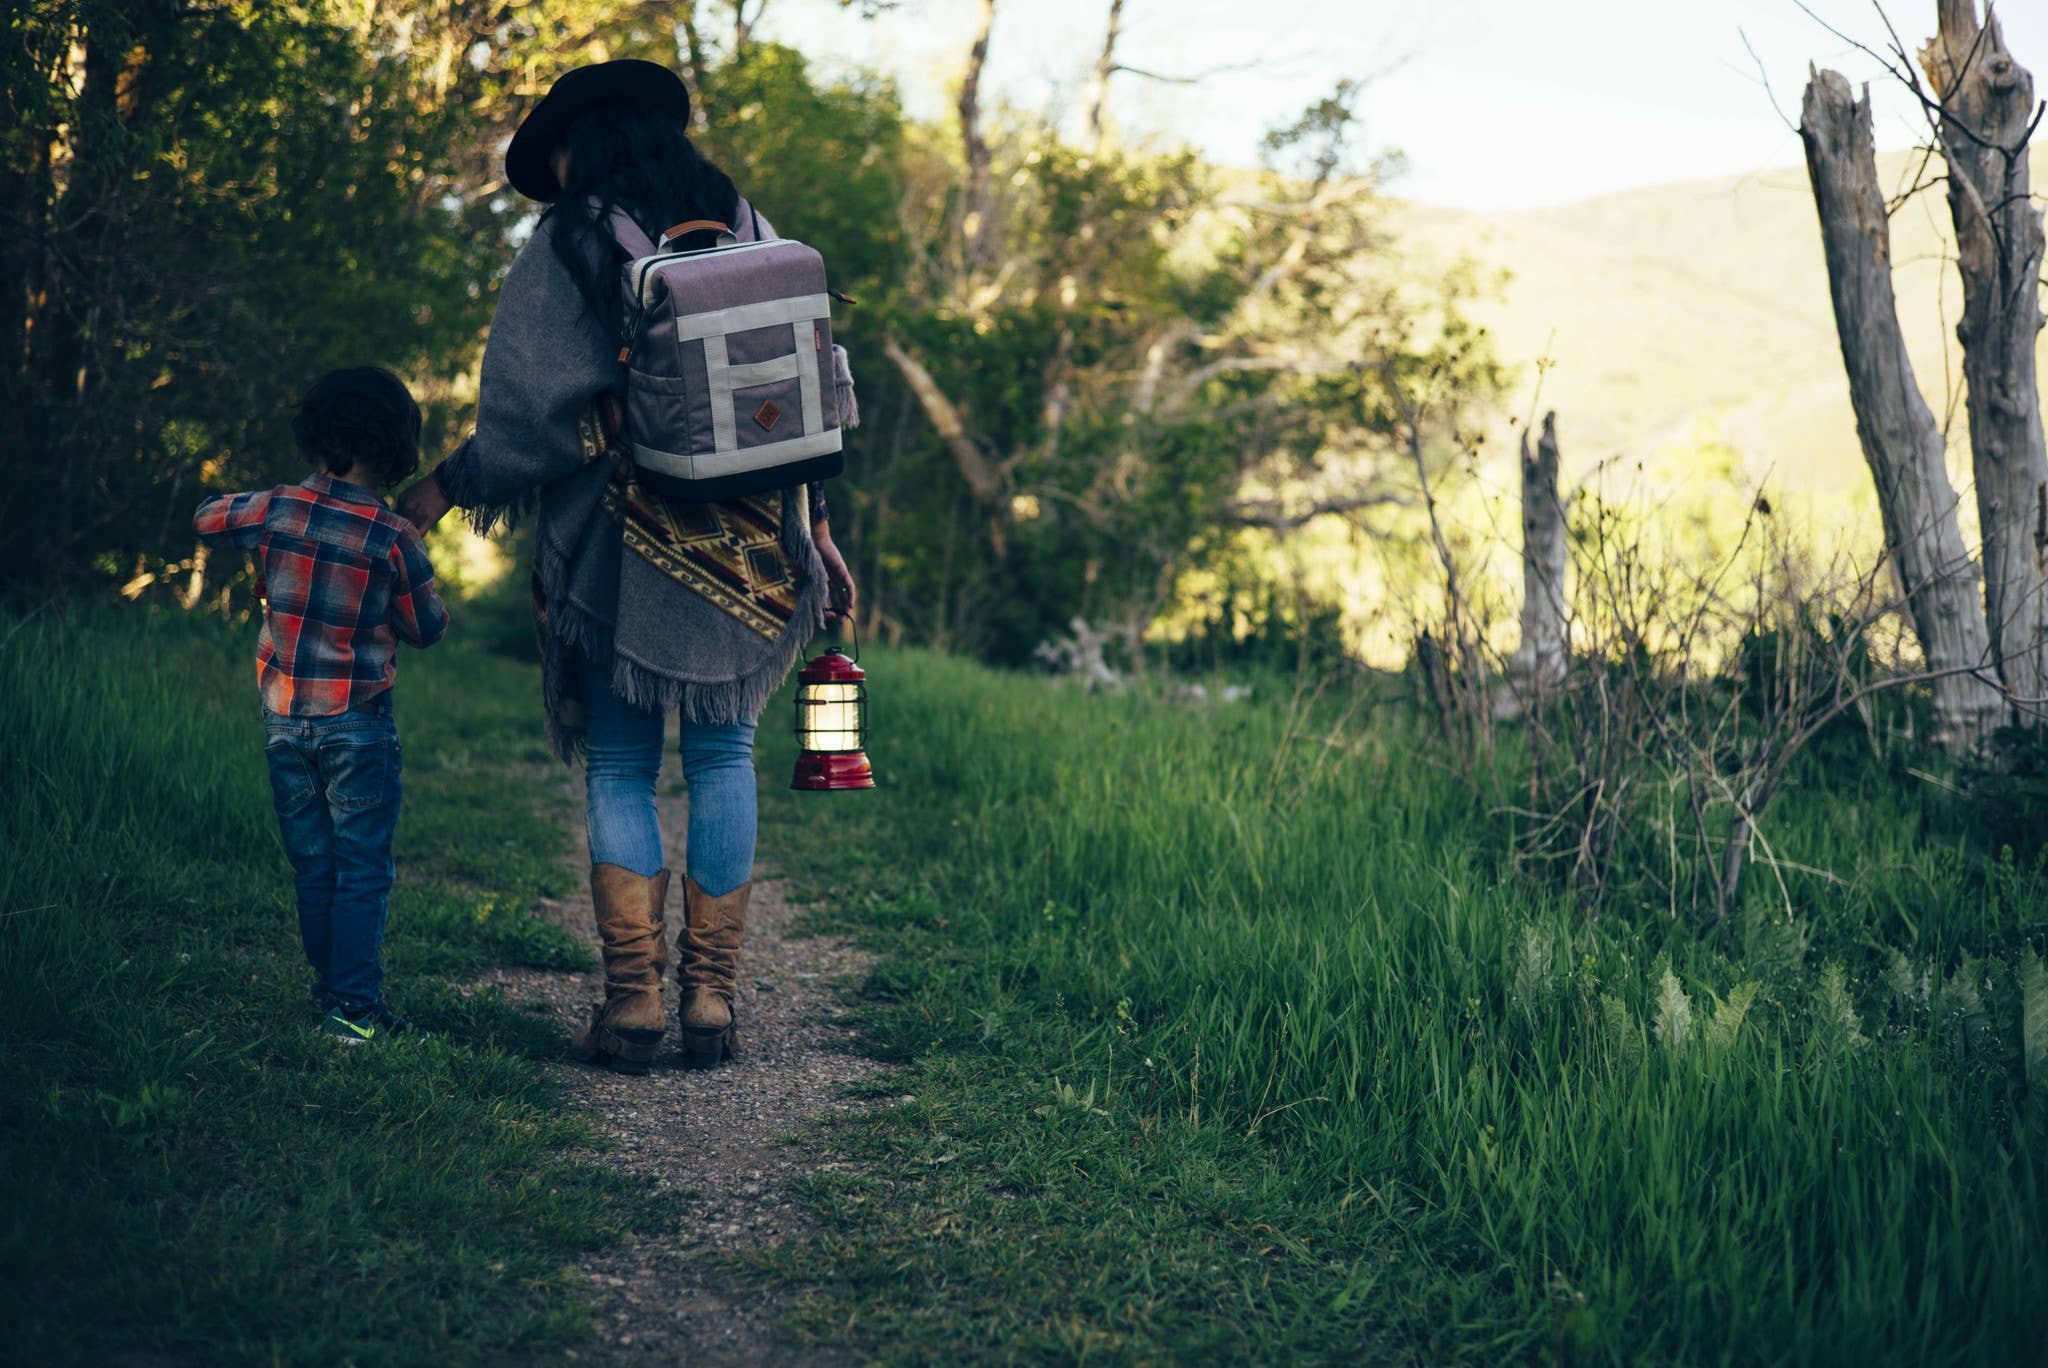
335,782
621,766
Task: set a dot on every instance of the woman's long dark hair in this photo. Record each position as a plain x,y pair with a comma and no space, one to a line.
621,156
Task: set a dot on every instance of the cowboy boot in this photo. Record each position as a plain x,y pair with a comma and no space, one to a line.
707,962
625,1029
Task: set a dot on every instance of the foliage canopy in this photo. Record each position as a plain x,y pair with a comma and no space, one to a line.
1146,358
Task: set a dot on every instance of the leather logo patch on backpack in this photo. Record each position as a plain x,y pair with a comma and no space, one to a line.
767,415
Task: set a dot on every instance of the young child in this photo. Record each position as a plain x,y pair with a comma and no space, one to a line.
342,578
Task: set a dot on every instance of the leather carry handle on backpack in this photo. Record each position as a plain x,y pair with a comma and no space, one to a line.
691,226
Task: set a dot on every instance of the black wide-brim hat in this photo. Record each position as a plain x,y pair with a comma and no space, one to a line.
649,85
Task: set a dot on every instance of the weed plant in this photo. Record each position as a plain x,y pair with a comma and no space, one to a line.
1229,1032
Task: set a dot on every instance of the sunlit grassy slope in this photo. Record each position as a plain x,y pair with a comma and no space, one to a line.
1692,362
1694,312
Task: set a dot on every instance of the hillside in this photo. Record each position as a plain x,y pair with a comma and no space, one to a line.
1692,313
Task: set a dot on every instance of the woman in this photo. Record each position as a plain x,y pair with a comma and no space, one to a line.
645,606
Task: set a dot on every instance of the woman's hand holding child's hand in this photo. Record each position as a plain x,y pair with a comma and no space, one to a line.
424,503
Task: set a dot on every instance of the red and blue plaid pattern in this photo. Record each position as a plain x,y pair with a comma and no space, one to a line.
342,577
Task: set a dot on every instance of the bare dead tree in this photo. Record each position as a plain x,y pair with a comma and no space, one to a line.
1541,656
984,479
1108,66
1058,378
1985,121
1901,441
1058,371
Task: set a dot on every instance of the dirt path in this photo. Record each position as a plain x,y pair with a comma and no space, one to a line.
722,1144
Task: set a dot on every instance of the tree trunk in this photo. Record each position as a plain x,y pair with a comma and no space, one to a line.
1900,439
743,25
62,335
1098,81
1541,656
693,53
984,481
1057,378
973,146
1988,103
23,176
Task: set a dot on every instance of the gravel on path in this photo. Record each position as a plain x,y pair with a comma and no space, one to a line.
721,1145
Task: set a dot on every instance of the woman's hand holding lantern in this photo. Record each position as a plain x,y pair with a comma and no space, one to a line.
844,594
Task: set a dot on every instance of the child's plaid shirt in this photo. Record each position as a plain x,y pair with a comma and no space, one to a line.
342,578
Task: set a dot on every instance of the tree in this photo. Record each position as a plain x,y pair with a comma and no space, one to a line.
1901,441
1124,360
1084,368
209,205
1542,656
1984,118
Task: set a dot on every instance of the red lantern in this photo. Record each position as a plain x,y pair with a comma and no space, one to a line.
832,725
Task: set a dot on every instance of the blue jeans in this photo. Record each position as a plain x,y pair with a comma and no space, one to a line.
335,783
621,767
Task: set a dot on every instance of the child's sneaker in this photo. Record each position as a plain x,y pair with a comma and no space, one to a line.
371,1023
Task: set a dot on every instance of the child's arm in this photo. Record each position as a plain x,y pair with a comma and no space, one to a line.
416,608
232,519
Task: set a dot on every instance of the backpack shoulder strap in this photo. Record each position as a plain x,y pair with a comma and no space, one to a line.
751,227
630,235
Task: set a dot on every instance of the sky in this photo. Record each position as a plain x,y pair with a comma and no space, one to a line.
1497,104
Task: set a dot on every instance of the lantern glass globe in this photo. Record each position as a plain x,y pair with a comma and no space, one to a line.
831,717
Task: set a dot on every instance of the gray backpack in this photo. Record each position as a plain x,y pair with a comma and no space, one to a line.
733,386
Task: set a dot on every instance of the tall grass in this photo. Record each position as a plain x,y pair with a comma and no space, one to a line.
1228,1030
1236,1017
185,1166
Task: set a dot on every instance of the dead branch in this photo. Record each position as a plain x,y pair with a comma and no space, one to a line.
1277,516
983,479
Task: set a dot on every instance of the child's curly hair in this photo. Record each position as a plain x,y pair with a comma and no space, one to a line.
364,413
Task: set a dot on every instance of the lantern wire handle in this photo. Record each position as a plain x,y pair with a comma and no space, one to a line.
854,627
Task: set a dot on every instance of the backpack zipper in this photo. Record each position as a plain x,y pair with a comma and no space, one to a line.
646,265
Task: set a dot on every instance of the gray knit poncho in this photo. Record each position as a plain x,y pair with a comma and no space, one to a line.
547,360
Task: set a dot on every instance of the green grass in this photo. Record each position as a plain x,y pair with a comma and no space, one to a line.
1229,1037
1230,1040
188,1167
